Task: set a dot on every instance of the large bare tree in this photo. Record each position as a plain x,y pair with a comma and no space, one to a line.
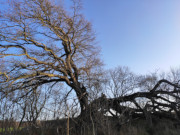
42,43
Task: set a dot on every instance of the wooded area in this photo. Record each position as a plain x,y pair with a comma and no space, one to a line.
52,79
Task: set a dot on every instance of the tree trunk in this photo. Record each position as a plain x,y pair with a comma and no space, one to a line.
83,98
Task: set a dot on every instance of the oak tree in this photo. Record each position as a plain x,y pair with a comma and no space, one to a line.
42,43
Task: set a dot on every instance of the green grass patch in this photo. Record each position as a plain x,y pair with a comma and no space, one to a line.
9,129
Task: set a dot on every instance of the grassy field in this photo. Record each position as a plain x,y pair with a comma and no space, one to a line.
137,127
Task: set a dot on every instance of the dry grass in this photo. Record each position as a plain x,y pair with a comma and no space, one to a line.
159,127
138,127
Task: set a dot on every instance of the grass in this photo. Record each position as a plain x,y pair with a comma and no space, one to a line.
10,129
160,127
136,127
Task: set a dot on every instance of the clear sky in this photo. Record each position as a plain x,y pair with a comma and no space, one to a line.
141,34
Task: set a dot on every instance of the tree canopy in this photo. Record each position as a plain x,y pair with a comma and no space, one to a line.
42,43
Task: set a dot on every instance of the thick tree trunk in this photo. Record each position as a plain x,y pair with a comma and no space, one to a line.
83,98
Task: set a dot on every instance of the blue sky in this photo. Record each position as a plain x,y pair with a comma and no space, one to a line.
141,34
